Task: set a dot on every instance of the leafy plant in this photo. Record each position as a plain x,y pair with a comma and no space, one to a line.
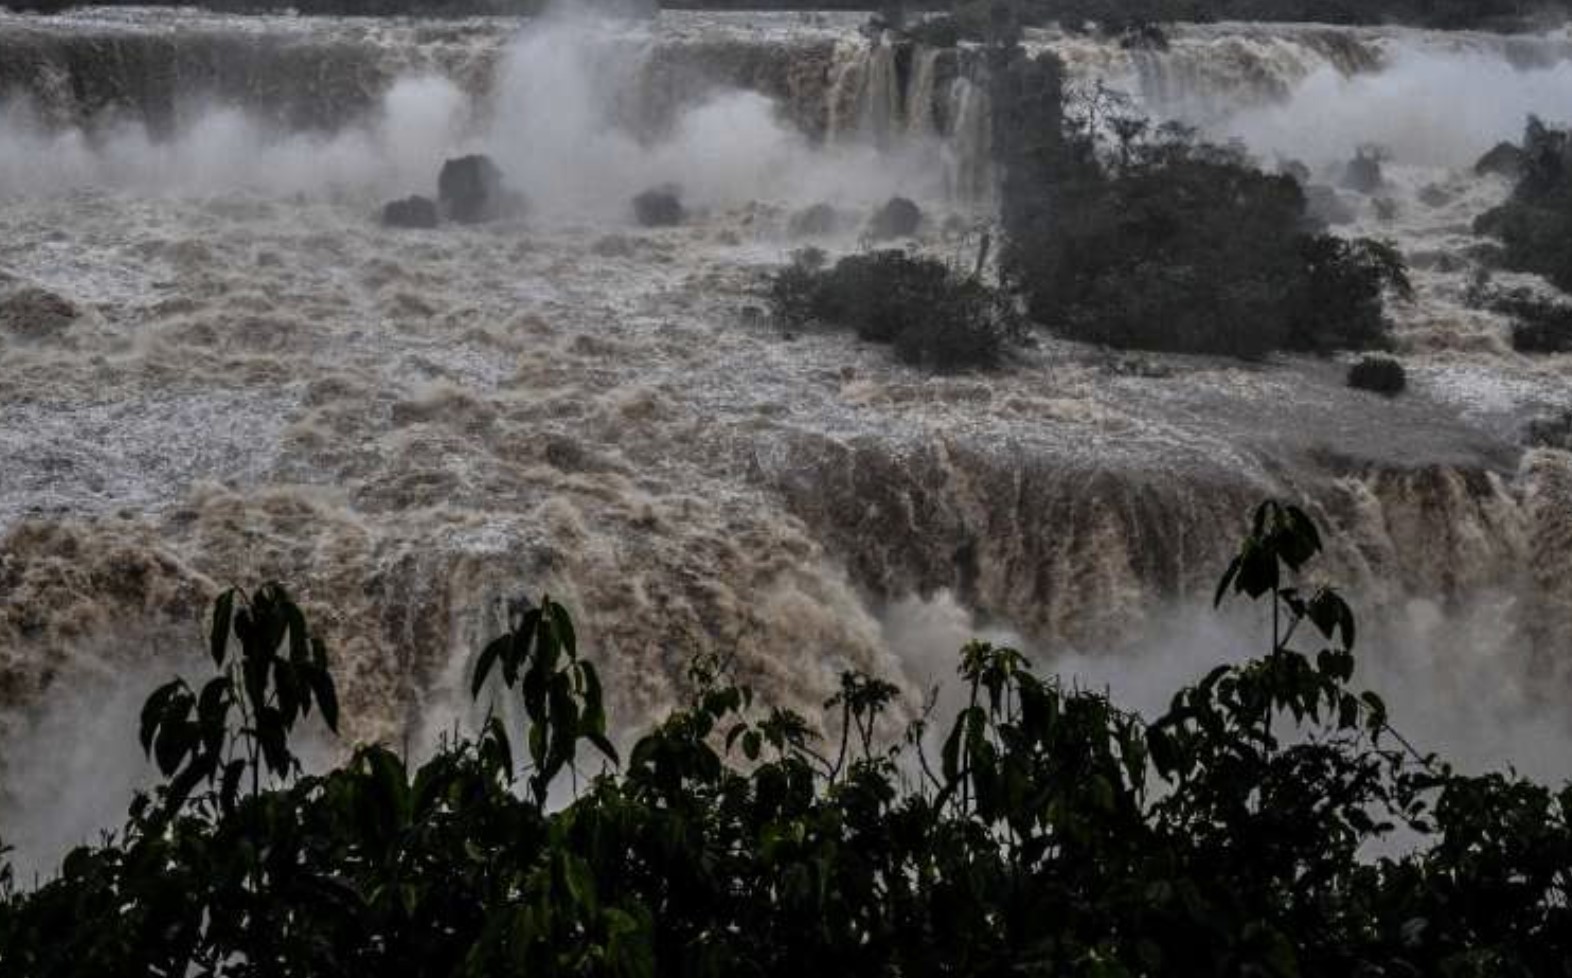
1043,830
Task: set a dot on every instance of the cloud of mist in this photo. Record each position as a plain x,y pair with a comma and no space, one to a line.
555,121
1450,677
1427,108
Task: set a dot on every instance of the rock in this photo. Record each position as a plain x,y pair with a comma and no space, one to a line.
660,207
811,222
411,212
1386,209
471,190
28,312
898,218
1363,172
1505,160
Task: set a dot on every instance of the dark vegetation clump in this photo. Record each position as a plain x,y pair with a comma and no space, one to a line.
1383,375
929,314
1535,225
1139,236
1503,160
1539,324
1042,830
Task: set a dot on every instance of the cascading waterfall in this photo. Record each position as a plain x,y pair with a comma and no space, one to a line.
240,376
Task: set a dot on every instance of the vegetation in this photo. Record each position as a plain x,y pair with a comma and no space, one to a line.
1134,235
1535,225
1540,324
1047,831
1383,375
932,316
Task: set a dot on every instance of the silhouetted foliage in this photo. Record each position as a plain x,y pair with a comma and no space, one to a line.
1535,225
1044,830
1383,375
1540,324
1135,235
932,316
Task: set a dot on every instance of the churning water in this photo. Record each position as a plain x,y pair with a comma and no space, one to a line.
216,367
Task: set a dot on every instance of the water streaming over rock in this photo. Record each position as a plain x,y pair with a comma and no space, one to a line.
244,377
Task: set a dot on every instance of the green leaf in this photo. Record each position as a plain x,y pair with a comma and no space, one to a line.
563,624
153,710
487,661
223,611
326,694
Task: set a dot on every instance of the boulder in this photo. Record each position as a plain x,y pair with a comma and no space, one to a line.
28,312
898,218
411,212
471,190
811,222
1363,172
659,207
1505,160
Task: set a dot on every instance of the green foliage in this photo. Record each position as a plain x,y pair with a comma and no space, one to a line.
1134,235
1051,833
932,317
1382,375
1535,225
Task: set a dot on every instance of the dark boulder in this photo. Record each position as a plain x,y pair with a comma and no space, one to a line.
1363,172
898,218
411,212
28,312
471,190
811,222
660,207
1505,160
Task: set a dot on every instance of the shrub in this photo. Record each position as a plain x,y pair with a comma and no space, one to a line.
1052,832
1383,375
931,316
1135,236
1535,225
1539,324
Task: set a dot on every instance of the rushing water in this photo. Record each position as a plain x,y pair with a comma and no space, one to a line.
216,367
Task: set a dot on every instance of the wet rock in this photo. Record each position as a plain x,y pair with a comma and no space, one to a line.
659,207
810,222
28,312
1505,160
1363,172
898,218
1386,209
471,190
411,212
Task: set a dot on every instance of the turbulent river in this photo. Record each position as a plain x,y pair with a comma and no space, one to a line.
217,367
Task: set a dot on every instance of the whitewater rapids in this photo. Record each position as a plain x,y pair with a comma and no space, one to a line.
216,367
